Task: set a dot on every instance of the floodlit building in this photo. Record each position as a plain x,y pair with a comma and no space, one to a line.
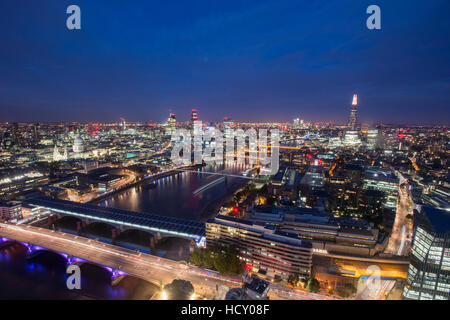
78,145
429,269
351,139
372,139
171,125
353,119
381,179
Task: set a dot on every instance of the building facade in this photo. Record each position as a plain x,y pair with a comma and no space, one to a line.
429,269
271,253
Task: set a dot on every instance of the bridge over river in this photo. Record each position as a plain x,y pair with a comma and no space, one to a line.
165,226
156,270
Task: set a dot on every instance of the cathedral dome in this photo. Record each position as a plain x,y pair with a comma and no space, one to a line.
78,145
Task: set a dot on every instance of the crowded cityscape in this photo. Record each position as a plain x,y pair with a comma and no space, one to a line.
211,159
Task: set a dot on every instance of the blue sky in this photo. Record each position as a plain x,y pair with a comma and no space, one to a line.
248,60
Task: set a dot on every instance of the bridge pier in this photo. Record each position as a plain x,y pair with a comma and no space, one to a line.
154,241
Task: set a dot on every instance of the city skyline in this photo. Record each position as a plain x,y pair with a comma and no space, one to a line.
231,59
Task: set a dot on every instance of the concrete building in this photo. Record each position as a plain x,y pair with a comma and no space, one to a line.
271,253
10,210
327,234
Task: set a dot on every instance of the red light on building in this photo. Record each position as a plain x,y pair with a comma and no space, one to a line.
248,266
320,161
235,210
309,156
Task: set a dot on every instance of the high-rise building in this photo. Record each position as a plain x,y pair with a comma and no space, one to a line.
372,139
123,124
429,268
171,125
351,137
352,120
296,124
228,127
14,132
194,115
36,132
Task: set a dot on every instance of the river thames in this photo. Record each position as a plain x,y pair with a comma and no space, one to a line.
175,195
179,195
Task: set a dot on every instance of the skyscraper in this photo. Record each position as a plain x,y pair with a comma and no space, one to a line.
194,115
351,137
429,268
36,132
353,117
123,124
171,125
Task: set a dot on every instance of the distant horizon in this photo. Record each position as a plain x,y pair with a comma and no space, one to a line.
207,121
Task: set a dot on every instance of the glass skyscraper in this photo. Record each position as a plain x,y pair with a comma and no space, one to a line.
429,269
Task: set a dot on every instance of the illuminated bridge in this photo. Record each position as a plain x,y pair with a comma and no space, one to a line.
165,226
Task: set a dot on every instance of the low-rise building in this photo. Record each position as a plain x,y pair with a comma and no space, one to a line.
10,210
326,233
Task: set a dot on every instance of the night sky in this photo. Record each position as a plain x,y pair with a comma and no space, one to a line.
248,60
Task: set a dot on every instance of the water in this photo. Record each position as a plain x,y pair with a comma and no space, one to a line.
174,195
44,277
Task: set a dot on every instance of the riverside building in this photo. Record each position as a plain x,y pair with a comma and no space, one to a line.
271,253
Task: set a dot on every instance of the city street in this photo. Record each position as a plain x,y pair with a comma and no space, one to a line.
400,240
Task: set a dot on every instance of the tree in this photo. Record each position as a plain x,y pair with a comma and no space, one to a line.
313,285
226,260
196,257
203,258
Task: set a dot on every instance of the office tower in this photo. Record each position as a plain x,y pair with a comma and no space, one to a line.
296,124
171,125
372,139
36,132
123,124
194,115
429,268
352,120
351,138
14,132
228,127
